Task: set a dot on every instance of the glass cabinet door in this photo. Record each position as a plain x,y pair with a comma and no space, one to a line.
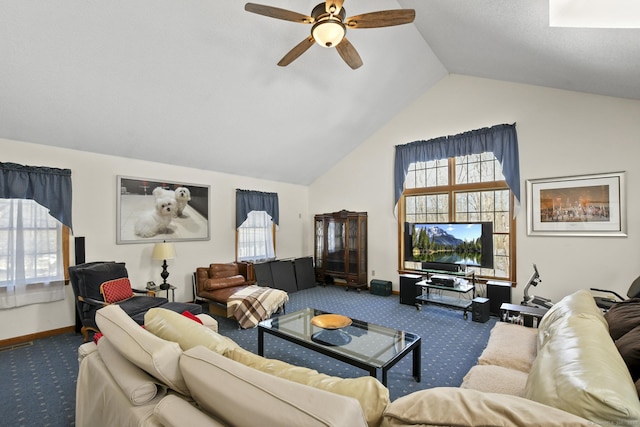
353,246
335,246
363,246
319,245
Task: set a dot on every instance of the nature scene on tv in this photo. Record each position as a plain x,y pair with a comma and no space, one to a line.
447,243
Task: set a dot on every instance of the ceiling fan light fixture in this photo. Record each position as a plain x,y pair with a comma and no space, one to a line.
328,33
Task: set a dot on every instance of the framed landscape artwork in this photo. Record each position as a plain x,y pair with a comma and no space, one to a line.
587,205
154,210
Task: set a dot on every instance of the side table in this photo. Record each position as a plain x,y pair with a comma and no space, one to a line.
173,292
523,314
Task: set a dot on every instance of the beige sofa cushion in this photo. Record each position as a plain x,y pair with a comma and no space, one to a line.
208,321
242,396
370,393
496,379
173,411
448,406
137,385
100,404
510,346
86,349
580,371
175,327
158,357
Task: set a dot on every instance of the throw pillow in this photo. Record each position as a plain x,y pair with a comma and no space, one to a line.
629,348
191,316
623,317
449,406
116,290
172,326
91,277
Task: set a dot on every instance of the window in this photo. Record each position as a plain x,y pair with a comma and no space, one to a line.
466,188
33,254
257,215
255,238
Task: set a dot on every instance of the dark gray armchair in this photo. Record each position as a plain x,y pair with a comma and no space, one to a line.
88,282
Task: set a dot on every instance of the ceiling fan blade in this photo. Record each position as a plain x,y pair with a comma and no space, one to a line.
336,5
276,12
298,50
349,54
382,18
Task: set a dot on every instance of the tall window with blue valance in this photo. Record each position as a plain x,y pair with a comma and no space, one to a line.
501,140
471,177
35,217
257,216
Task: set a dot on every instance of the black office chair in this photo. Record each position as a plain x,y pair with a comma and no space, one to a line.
606,303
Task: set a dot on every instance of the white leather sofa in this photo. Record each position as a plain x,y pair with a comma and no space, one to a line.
568,372
176,372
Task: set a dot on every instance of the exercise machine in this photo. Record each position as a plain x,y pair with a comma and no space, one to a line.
535,301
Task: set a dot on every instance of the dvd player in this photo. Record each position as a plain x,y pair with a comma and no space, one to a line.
442,280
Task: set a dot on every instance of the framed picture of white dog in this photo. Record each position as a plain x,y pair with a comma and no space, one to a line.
153,210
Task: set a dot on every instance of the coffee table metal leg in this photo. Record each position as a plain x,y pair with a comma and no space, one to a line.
260,342
417,362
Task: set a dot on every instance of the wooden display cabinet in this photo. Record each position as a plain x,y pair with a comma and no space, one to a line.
341,248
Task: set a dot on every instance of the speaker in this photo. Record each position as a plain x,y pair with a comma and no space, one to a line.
480,310
408,289
79,250
263,274
284,276
305,276
498,293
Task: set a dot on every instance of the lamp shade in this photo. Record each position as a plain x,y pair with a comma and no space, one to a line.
163,250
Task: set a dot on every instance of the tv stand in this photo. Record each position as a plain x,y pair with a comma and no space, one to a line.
462,283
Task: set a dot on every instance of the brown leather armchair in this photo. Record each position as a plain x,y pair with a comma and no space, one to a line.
218,282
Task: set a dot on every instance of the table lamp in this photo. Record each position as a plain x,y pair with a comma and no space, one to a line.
164,251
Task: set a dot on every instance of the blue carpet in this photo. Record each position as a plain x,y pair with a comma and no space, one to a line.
39,380
450,344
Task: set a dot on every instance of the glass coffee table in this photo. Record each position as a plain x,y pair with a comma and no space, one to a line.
364,345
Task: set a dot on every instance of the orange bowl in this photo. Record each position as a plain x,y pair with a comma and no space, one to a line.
331,321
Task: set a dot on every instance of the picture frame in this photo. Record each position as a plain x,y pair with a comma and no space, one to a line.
581,205
140,219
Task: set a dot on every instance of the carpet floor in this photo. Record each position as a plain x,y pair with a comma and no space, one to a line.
39,378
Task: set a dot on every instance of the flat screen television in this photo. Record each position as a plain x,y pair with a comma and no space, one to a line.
449,244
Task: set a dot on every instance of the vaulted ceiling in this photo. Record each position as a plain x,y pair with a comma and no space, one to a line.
195,82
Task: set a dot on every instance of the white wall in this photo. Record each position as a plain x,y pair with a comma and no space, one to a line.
560,133
94,217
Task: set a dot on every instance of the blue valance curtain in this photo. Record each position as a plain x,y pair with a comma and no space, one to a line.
249,200
50,187
501,140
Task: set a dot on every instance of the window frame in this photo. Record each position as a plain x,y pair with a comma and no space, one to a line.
451,189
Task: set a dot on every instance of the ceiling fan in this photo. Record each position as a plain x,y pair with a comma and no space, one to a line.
330,26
